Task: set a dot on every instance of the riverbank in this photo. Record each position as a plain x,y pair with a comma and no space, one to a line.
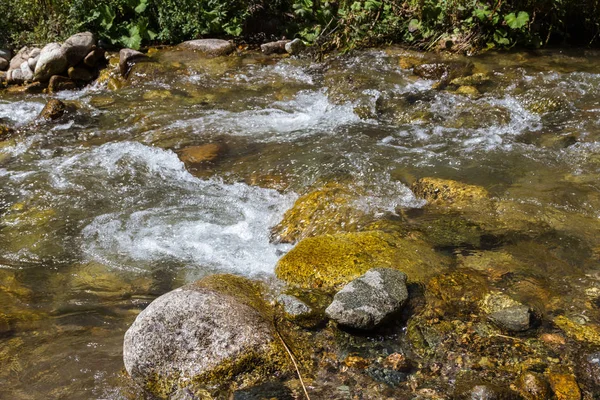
463,27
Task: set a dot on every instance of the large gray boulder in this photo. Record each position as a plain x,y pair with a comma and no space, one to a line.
78,46
198,334
27,72
210,47
52,61
370,299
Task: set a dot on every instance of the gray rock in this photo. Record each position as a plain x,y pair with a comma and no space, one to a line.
368,300
128,57
15,76
26,71
210,47
295,47
514,319
190,332
3,75
293,306
78,46
34,56
6,54
52,61
4,63
22,55
80,74
277,47
94,57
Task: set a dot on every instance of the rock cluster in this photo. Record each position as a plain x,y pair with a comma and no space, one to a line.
60,66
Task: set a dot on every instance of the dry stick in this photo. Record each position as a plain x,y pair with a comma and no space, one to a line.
285,346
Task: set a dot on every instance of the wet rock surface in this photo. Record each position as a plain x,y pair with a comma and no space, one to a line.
210,47
370,299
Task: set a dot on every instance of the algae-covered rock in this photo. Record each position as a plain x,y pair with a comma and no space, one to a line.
451,194
211,331
209,152
329,261
299,312
370,299
53,109
506,313
589,333
456,293
564,386
326,210
471,80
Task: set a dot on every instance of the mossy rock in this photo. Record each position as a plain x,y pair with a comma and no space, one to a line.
471,80
330,261
456,293
447,230
589,333
327,210
451,194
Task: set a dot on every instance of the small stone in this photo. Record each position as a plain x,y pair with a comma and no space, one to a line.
5,132
78,46
94,57
354,361
532,386
209,47
564,387
128,57
514,319
52,61
368,300
53,110
58,83
592,367
553,339
295,47
274,47
468,91
397,362
35,88
80,74
293,306
201,154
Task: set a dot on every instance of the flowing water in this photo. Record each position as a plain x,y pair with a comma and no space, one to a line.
99,215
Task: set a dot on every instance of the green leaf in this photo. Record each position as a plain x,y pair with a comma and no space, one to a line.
108,16
141,7
414,25
516,21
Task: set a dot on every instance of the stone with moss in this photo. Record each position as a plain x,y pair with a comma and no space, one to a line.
588,333
326,210
449,193
331,261
216,331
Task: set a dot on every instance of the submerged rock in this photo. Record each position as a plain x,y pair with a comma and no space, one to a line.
532,386
507,313
564,386
274,47
300,313
53,109
326,210
209,47
201,154
208,331
449,193
52,61
370,299
80,74
330,261
127,58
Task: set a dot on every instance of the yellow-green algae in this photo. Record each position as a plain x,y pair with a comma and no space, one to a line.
326,210
451,194
329,261
589,333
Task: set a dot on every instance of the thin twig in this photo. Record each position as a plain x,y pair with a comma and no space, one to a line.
285,346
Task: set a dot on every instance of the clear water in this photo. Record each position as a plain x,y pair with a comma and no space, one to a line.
99,215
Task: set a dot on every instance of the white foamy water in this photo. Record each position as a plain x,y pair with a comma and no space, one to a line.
20,112
146,208
309,113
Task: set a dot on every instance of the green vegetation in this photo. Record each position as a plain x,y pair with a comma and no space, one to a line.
458,25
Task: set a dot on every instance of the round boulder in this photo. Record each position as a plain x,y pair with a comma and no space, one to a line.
208,331
52,61
210,47
78,46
